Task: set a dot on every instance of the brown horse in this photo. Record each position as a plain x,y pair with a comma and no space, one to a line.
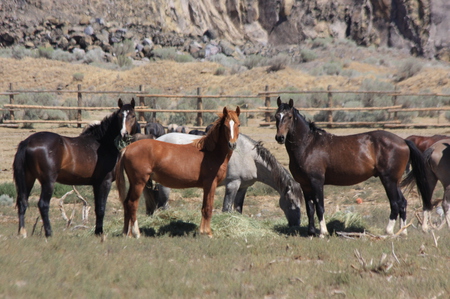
424,142
88,159
437,158
201,164
317,158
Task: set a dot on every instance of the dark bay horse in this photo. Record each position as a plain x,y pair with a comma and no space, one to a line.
155,129
437,157
201,164
88,159
318,158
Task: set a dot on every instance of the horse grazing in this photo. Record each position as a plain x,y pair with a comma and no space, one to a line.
155,129
424,142
318,158
250,162
88,159
437,158
201,164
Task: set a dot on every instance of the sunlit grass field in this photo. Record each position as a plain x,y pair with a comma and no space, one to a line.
254,255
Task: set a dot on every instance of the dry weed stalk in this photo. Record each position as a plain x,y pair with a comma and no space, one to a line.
84,212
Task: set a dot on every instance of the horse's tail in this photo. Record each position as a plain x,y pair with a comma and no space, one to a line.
19,166
419,175
120,177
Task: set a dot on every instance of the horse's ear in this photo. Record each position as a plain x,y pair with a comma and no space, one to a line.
238,110
225,111
291,103
279,101
132,102
120,103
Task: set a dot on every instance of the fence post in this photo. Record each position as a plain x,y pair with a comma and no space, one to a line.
394,102
330,105
267,104
199,107
80,103
11,101
141,103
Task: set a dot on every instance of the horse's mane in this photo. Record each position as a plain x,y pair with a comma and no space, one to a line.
98,131
312,126
280,173
209,141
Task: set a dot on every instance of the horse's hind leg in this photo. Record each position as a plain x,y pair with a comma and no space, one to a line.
446,205
44,204
397,203
130,206
23,192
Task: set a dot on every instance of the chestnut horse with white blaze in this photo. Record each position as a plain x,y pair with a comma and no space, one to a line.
201,164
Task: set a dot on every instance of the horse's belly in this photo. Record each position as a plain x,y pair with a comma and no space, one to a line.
74,178
176,182
346,180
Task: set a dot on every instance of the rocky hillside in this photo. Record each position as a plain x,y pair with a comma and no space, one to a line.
235,27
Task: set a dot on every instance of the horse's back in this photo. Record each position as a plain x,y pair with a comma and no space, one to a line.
439,154
424,142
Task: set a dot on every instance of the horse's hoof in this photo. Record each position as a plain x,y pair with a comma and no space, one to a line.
23,233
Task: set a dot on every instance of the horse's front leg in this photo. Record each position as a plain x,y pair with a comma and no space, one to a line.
207,207
229,199
101,192
310,211
317,186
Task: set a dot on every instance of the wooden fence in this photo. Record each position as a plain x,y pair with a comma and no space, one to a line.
147,103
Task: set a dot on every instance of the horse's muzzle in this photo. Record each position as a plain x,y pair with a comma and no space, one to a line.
232,145
280,139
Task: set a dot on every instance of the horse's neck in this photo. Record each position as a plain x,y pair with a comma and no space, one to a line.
222,149
300,131
271,173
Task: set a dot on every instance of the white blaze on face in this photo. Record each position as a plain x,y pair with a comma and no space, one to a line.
232,128
281,116
124,128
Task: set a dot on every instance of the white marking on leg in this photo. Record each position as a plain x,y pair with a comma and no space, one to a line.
23,232
447,217
123,131
135,230
390,227
323,228
232,129
403,224
426,220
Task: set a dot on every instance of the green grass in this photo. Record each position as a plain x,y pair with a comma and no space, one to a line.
253,255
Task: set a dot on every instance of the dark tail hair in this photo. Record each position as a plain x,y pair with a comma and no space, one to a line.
19,169
418,175
120,177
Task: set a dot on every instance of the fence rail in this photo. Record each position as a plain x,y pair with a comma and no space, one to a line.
266,110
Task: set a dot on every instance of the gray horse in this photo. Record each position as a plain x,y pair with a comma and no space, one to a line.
249,163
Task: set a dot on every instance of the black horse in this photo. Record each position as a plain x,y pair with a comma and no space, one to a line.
318,158
88,159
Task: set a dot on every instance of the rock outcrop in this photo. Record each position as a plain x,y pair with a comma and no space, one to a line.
418,26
